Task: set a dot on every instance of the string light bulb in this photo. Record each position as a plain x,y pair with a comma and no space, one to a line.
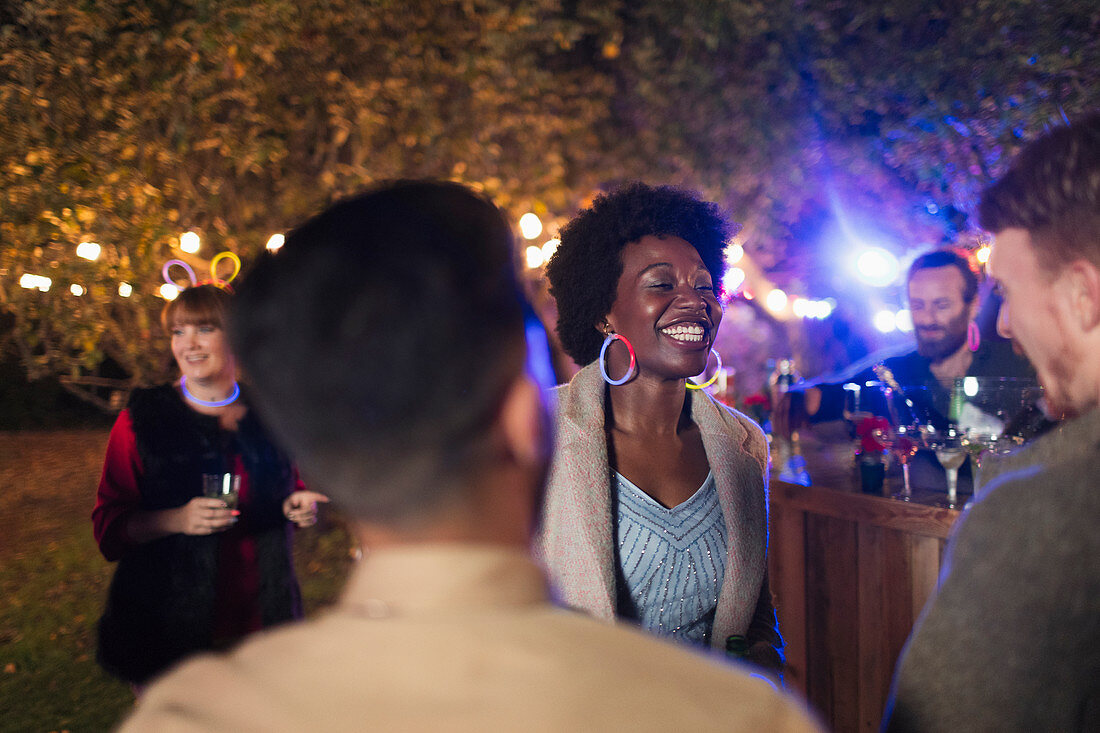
190,242
88,250
534,257
549,248
530,226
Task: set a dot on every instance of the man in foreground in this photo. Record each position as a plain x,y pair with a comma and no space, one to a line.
387,343
1011,641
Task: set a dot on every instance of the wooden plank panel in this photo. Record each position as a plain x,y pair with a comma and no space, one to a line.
850,574
872,650
911,517
787,575
926,554
832,611
899,615
885,616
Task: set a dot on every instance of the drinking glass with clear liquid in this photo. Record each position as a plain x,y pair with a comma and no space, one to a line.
951,454
224,486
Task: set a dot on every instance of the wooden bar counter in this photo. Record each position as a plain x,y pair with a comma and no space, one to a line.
850,573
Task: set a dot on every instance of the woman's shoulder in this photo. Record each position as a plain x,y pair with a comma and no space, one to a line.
734,417
719,419
581,398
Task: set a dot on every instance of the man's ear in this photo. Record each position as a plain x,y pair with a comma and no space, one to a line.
524,423
1082,280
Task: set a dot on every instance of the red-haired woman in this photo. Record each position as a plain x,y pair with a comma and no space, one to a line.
193,572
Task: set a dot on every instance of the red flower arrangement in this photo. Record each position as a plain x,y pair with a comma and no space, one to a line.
873,434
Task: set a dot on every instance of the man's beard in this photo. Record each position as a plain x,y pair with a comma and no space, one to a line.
938,349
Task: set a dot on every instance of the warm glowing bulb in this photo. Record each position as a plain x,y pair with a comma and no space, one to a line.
734,253
169,292
549,248
982,255
76,289
530,226
534,257
276,241
125,290
776,300
189,242
802,308
904,320
32,282
88,250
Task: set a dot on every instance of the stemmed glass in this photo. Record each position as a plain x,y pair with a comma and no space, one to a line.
951,453
907,437
994,415
979,444
903,446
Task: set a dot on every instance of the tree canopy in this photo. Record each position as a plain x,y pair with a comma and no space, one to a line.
128,122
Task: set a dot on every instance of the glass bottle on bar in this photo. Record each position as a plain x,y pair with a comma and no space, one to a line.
792,465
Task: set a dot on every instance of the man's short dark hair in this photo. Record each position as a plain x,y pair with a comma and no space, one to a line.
1052,190
380,340
948,258
584,271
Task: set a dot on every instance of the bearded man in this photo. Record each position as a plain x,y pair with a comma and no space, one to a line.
943,300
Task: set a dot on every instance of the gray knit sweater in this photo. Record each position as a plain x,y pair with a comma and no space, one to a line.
1011,641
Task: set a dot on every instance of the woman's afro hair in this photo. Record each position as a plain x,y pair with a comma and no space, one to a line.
584,271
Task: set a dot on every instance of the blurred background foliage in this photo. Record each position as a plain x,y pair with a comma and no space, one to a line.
127,122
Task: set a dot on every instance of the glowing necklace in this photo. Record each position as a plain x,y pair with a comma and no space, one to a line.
216,403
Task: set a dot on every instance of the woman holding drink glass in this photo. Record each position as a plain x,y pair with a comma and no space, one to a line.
194,504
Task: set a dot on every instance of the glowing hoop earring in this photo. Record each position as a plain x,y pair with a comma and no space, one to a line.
603,350
691,385
973,336
181,263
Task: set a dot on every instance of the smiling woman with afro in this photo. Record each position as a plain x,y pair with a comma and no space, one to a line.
656,505
585,269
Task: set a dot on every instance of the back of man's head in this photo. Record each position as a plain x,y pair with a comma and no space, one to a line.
380,340
1052,190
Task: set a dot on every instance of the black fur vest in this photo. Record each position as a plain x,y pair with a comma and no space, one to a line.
160,606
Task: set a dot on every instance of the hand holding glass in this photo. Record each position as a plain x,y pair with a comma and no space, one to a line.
224,486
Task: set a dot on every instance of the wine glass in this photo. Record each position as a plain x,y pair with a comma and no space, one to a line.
979,444
993,415
903,446
951,453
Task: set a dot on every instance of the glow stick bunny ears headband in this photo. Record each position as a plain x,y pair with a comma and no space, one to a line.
214,279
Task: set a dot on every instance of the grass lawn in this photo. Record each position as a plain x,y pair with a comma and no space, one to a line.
53,581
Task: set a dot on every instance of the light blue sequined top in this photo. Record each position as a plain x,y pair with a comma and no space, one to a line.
671,561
